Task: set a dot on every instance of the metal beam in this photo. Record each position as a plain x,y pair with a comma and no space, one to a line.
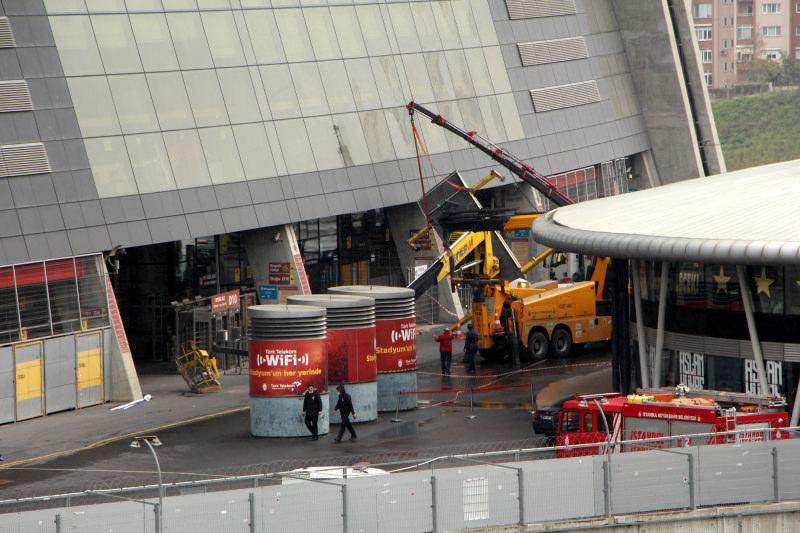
796,408
662,312
640,339
747,302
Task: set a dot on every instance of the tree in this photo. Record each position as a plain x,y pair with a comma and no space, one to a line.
790,71
764,71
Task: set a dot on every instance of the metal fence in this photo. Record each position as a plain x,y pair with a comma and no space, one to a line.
454,492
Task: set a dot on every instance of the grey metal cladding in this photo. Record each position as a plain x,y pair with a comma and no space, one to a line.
553,51
15,96
23,159
6,34
524,9
204,224
561,96
169,229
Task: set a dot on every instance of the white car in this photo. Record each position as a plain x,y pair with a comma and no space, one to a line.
323,473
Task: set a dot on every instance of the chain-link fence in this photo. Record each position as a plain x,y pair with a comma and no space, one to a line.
445,493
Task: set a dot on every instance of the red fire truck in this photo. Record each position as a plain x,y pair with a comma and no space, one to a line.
659,413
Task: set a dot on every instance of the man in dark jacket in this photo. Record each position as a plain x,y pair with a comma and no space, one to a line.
345,407
445,340
312,407
471,348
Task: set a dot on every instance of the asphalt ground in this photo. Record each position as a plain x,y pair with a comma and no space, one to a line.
200,442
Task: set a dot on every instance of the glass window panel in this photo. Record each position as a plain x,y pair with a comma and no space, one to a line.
111,168
313,2
280,91
94,106
170,101
459,71
190,40
285,3
387,81
263,32
323,36
76,45
105,6
222,155
170,5
187,158
351,139
376,132
497,69
419,83
244,37
465,22
362,83
480,11
132,100
154,42
404,28
143,5
405,88
309,89
205,97
397,120
426,26
261,93
446,24
508,110
150,162
213,4
471,115
337,86
64,6
116,42
237,89
451,109
255,3
479,72
348,30
439,75
223,38
324,142
490,110
295,146
373,30
294,35
251,140
275,147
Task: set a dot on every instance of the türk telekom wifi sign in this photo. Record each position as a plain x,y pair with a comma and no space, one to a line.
286,367
396,345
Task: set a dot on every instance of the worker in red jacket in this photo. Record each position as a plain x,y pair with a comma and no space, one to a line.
445,340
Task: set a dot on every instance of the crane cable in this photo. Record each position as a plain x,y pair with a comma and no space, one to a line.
417,145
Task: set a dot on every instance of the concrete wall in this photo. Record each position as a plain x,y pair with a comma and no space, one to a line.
277,244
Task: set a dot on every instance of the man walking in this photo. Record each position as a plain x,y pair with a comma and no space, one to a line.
445,341
312,407
471,348
345,407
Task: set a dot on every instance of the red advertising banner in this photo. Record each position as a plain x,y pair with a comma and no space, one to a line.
225,300
285,368
396,345
351,355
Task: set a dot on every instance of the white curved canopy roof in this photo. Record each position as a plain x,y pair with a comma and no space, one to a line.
749,216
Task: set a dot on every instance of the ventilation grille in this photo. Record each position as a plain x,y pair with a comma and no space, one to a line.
15,96
22,159
526,9
6,35
562,96
541,52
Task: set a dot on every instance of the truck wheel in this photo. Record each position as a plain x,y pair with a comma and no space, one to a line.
537,345
561,343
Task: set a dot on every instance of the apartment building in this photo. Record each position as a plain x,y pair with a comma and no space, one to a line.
731,33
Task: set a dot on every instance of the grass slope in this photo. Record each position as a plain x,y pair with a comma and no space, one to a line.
760,129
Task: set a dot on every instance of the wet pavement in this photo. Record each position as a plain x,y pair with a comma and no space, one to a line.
222,445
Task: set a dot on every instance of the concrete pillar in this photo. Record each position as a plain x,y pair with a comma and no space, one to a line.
404,220
125,386
276,244
662,313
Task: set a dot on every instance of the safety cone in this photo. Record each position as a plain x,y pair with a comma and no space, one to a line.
498,327
458,334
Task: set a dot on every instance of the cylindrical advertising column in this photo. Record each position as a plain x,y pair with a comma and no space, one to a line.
395,342
351,350
288,352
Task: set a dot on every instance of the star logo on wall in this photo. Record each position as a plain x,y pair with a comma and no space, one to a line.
763,283
722,281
